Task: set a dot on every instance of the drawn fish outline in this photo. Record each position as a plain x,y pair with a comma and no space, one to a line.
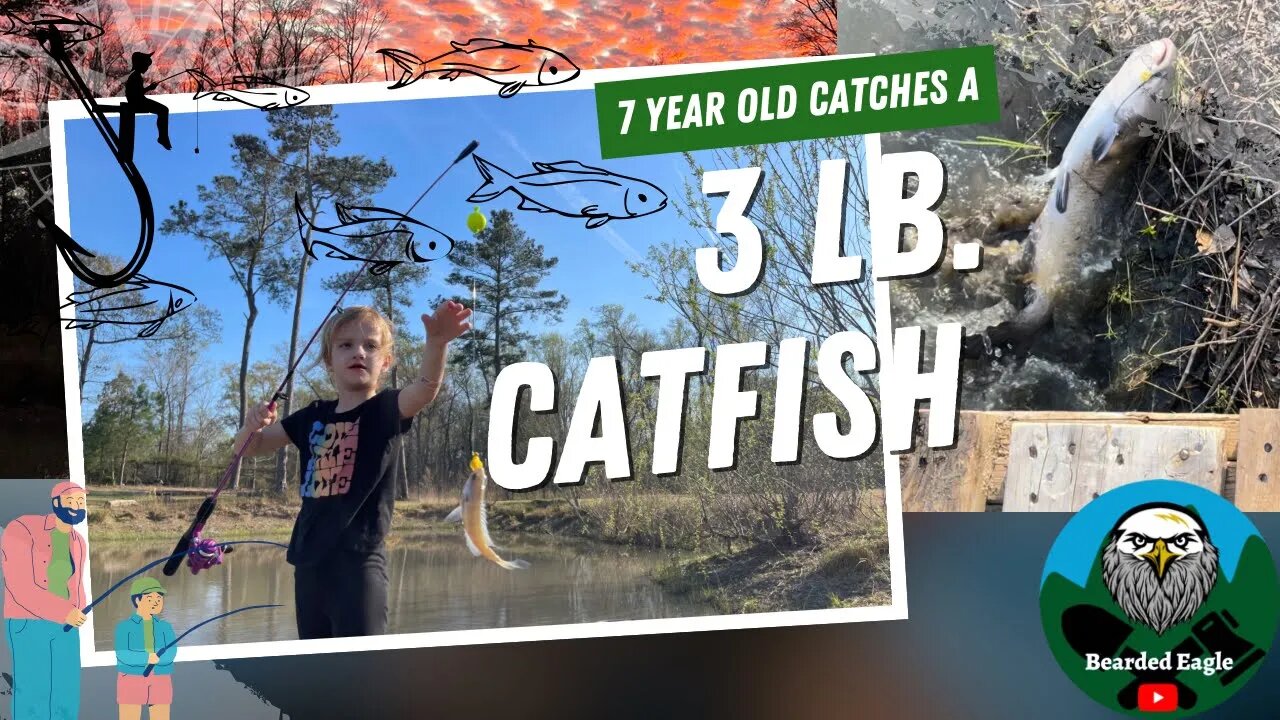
349,219
179,299
274,95
487,58
609,196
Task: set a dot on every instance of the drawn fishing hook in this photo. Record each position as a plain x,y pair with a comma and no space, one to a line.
52,33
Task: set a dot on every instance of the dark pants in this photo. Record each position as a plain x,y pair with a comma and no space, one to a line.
147,105
341,596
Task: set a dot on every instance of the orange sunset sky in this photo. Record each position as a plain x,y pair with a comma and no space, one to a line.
593,34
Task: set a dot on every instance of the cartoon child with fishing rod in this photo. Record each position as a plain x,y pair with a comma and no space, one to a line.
348,466
135,93
43,560
144,639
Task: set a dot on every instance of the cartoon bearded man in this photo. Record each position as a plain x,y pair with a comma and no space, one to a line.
43,560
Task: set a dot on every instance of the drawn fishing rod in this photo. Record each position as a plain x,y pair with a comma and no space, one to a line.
48,32
192,535
225,547
146,672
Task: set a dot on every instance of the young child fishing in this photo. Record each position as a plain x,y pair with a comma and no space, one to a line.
144,639
348,465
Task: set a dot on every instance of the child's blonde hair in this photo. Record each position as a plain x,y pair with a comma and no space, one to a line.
358,313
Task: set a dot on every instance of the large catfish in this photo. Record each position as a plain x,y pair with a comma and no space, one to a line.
1096,158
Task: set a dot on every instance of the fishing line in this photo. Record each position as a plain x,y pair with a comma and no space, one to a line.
146,672
226,546
475,344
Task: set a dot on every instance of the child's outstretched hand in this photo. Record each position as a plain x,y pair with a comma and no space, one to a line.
450,320
259,417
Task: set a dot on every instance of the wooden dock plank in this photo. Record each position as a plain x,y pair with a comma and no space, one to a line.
951,480
972,475
1258,461
1061,466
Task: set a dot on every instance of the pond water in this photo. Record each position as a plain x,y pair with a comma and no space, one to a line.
435,585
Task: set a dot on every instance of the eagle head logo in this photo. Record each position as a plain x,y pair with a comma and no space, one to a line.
1159,565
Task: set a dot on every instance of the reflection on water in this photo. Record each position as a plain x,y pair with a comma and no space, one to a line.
435,584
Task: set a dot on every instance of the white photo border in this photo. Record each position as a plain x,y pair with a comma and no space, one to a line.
62,111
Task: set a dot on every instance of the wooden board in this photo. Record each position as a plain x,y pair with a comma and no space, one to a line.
1227,423
961,478
1060,467
1258,461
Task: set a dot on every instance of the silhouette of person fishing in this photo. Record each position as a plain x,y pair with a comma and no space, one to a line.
135,92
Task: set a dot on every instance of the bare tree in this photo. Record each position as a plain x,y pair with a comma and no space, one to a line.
282,40
242,221
353,26
810,29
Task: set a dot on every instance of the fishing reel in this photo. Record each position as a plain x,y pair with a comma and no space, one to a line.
204,553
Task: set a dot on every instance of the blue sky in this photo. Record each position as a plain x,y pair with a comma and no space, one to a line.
419,138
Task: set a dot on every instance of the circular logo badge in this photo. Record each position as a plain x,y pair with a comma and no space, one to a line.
1160,597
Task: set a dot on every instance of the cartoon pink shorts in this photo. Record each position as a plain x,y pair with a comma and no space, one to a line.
144,690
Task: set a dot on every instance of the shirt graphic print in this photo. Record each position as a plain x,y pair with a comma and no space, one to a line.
333,458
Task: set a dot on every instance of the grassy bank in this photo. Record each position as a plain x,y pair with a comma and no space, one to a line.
844,564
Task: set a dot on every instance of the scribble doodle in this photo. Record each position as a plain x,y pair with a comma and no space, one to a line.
55,35
487,58
608,196
257,92
140,302
359,222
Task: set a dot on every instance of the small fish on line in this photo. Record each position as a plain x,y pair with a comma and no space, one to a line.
358,222
550,189
475,519
140,302
268,95
487,58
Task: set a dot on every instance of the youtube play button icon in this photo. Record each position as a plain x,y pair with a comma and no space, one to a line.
1157,697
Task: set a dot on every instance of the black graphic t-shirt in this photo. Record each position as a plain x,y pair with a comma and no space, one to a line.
348,464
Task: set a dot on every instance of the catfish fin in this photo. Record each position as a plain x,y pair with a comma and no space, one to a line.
451,75
477,44
569,166
511,88
454,515
334,252
1103,142
597,220
344,214
527,204
1062,191
382,267
1047,176
152,328
471,545
490,189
